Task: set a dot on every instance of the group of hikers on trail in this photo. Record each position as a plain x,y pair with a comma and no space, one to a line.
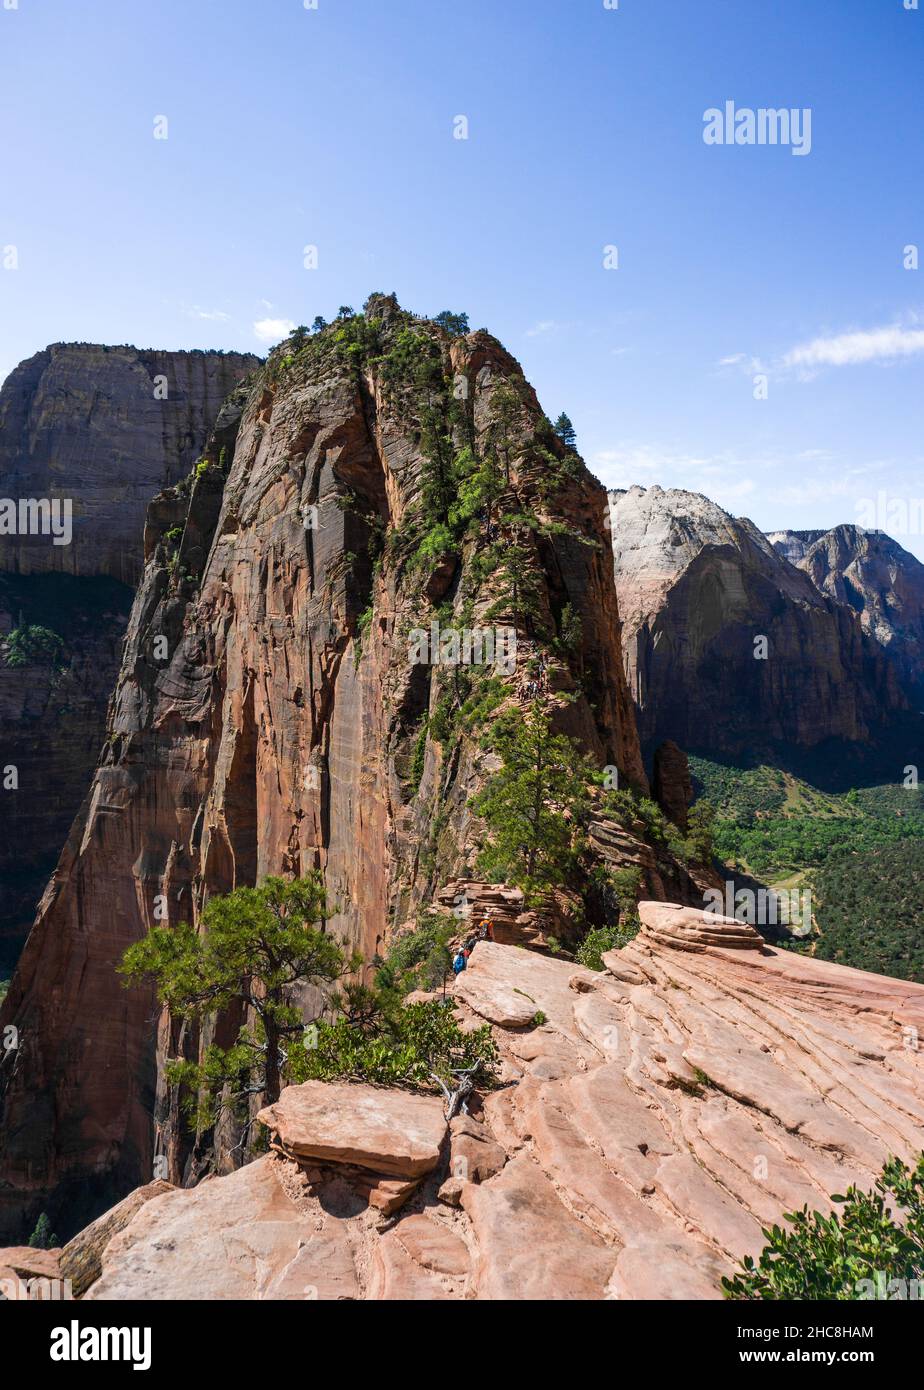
485,932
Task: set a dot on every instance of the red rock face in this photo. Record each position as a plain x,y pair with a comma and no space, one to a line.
259,727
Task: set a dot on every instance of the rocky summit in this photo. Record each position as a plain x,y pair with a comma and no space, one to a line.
648,1120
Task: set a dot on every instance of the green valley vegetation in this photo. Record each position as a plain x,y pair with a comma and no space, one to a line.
863,1251
860,852
256,946
870,908
769,822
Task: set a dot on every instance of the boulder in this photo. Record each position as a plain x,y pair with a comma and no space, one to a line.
81,1258
392,1132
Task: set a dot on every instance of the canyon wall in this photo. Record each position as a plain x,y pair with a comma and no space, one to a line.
875,577
105,428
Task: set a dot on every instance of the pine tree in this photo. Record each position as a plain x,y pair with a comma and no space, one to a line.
256,945
534,806
565,431
454,324
43,1238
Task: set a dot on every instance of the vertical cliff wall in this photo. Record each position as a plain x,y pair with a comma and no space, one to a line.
269,718
104,429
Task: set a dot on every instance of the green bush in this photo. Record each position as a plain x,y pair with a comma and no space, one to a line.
854,1254
43,1238
407,1046
32,644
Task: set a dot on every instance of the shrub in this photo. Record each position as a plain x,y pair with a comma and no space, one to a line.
852,1255
43,1238
407,1046
34,644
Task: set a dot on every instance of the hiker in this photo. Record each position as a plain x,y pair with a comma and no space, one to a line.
486,930
459,962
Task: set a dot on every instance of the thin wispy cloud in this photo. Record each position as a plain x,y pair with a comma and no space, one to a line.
543,326
887,344
272,330
195,311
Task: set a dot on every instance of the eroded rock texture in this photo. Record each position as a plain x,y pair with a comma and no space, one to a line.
268,718
90,424
875,577
697,590
667,1108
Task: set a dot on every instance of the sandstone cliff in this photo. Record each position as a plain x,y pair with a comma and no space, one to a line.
697,591
878,580
105,428
664,1111
268,718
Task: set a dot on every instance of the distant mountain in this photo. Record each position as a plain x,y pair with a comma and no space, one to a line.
872,574
101,429
729,648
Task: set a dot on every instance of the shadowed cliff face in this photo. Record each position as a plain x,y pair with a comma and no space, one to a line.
104,428
697,590
268,717
878,580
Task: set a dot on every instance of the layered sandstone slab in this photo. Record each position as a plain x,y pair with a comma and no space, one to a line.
668,1109
238,1237
387,1131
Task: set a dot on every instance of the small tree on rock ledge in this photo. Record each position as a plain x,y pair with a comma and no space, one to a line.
256,945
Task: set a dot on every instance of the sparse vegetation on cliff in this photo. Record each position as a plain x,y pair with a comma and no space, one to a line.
33,645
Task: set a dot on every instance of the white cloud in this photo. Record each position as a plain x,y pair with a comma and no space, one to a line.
543,326
213,315
864,345
272,330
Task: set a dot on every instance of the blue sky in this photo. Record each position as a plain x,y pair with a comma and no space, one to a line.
334,127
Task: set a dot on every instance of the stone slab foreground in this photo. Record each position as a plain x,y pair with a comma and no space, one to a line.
393,1132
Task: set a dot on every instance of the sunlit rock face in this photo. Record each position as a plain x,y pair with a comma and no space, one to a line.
728,647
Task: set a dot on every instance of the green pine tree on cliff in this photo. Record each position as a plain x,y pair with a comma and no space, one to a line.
255,946
534,805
